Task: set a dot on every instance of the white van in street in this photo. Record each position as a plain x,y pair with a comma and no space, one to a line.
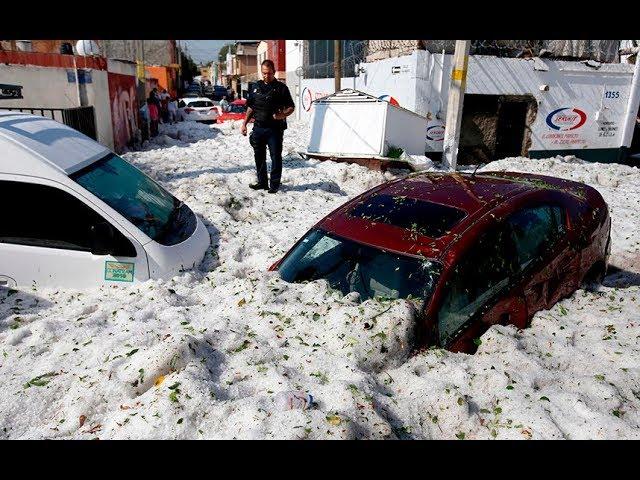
74,214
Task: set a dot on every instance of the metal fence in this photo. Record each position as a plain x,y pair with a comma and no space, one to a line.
82,119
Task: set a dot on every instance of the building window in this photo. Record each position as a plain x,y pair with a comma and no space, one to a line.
319,61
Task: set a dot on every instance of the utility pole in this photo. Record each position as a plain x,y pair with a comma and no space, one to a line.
457,87
632,105
300,74
337,64
140,85
179,76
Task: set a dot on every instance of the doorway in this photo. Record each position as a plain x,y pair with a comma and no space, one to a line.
510,128
495,127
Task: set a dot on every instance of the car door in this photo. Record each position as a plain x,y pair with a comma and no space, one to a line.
50,236
480,291
546,257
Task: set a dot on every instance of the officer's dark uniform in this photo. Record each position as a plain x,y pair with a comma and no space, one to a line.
265,99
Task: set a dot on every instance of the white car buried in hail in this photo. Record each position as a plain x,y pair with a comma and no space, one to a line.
79,216
199,109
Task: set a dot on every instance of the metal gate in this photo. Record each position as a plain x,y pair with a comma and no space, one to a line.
82,119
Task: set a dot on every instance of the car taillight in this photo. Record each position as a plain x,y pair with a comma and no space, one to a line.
188,110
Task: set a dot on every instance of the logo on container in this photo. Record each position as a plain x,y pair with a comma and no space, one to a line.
307,98
566,118
435,133
390,99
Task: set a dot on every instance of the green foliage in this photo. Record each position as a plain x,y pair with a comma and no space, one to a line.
188,67
40,380
394,152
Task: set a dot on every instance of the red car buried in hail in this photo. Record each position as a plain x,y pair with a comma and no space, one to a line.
471,250
237,111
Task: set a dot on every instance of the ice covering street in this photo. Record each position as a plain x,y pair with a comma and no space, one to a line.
203,355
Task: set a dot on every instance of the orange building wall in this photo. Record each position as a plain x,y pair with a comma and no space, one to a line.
166,78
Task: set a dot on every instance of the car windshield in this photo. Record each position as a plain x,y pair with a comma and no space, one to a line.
349,266
138,198
237,109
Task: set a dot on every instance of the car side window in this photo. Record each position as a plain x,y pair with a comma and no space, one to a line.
181,104
535,230
44,216
483,272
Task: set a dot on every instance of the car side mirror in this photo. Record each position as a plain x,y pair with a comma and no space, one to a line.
275,266
101,237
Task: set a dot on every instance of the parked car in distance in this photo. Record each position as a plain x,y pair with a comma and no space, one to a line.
214,92
81,216
194,88
237,111
470,250
218,92
198,109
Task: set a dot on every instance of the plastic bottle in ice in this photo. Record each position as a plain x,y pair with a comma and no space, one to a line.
293,400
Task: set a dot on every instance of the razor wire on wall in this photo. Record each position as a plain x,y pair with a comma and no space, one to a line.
318,55
605,51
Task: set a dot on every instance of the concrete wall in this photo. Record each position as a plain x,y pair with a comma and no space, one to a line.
390,78
261,51
578,107
41,86
599,94
293,54
156,52
49,87
247,64
98,96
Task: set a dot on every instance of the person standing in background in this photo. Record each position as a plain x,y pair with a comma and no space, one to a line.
269,103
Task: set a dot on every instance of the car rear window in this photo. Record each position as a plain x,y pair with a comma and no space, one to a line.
200,103
423,217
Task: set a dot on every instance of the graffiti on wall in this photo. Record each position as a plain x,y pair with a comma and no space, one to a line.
124,110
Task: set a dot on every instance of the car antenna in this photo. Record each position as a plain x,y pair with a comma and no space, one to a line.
476,169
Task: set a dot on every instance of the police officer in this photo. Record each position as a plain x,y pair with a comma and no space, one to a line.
269,103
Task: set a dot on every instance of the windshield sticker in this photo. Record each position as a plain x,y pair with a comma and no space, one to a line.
119,271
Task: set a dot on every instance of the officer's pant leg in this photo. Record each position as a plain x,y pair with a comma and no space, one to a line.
258,142
275,151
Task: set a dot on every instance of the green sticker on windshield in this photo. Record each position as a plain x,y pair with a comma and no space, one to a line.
118,271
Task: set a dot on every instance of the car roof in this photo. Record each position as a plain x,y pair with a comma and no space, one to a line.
472,195
43,142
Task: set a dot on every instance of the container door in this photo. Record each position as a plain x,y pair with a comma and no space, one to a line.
350,128
50,237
